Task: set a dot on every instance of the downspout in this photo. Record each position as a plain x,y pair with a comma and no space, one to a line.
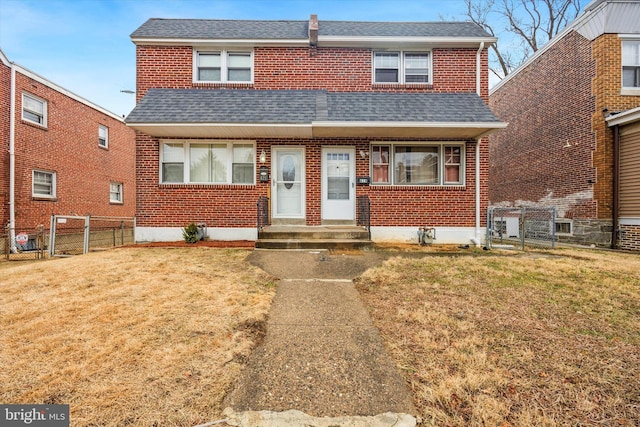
616,176
478,73
12,162
479,91
478,235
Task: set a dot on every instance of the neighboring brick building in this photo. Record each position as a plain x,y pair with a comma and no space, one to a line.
319,107
558,149
70,156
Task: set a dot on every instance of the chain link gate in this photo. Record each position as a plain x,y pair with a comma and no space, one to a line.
533,227
75,235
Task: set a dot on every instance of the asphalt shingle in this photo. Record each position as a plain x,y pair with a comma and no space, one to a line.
305,106
274,30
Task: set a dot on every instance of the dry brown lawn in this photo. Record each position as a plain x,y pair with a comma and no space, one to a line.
133,336
513,339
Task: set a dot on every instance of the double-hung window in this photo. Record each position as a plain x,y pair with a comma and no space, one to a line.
223,66
115,192
103,136
631,64
44,184
402,67
418,164
208,162
34,109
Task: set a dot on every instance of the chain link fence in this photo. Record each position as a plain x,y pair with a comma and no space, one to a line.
75,235
527,227
27,245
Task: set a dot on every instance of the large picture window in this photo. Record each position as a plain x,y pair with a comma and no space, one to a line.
418,164
402,67
216,162
223,67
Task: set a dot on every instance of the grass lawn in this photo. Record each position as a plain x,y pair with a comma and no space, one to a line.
157,336
513,339
132,336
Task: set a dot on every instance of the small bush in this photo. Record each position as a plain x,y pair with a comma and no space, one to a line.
190,233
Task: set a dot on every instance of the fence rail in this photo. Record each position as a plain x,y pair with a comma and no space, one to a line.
75,235
521,227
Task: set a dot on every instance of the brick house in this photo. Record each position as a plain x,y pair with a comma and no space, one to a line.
560,147
311,114
61,154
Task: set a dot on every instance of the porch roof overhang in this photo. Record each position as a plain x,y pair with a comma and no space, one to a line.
450,130
229,113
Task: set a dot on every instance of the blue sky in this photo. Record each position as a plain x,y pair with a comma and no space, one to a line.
84,45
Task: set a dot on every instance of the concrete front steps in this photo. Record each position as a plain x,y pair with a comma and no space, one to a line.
320,237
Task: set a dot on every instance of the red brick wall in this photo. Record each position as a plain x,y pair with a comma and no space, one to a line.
334,69
175,205
68,146
5,101
545,154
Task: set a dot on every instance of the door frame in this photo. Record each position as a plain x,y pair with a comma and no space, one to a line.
274,187
352,181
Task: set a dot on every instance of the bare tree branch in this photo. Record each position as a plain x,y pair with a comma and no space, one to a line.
531,22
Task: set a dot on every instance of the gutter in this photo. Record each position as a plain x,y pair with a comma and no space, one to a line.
12,162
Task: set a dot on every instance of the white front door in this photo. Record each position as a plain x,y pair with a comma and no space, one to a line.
338,183
287,184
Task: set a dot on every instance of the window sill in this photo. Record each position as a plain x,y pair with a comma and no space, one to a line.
630,91
402,85
417,187
224,84
44,199
112,202
103,147
204,185
33,124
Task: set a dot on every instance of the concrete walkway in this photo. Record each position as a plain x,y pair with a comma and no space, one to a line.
321,357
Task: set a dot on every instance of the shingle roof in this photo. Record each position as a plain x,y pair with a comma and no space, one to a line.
221,29
305,106
247,29
400,29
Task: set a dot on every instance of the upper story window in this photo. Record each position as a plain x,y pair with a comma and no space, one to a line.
34,109
418,164
631,64
44,184
218,162
402,67
223,67
103,136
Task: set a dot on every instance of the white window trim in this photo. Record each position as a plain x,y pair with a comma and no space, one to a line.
627,90
401,70
106,133
120,192
53,185
224,54
44,109
441,162
186,173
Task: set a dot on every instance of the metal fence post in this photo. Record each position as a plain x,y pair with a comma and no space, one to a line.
553,228
523,216
87,227
52,236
